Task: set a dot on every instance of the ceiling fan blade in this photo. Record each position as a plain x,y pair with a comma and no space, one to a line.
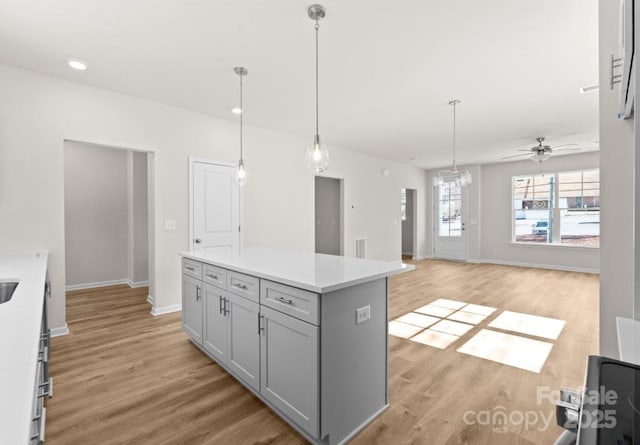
526,149
565,145
516,156
567,149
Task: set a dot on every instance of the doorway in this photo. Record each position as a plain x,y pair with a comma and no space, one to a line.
107,216
450,220
328,216
408,204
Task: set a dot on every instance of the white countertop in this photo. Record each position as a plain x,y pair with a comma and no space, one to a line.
310,271
20,320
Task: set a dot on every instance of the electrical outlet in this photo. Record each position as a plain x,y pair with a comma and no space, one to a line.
363,314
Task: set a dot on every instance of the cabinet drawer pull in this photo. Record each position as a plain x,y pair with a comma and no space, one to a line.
198,289
240,286
213,277
190,268
226,306
260,327
220,304
284,300
49,391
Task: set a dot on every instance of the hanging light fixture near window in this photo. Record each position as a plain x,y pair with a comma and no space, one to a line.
317,158
461,177
242,174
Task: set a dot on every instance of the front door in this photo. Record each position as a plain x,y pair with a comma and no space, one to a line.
449,224
215,213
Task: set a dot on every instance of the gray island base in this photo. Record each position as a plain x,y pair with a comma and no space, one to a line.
306,333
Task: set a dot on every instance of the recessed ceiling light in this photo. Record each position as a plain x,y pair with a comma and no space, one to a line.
77,64
589,89
236,110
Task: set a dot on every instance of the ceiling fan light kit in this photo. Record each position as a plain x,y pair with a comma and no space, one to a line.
540,153
460,177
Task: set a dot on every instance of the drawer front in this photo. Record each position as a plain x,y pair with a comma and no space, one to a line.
244,285
290,300
192,268
215,276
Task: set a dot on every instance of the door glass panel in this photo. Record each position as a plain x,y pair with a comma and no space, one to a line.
449,209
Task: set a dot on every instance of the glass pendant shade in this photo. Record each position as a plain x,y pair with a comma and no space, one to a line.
460,177
317,158
241,175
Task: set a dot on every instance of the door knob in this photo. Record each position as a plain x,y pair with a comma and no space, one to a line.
197,240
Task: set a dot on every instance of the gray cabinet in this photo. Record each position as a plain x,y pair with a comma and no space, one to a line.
302,353
215,335
289,371
192,307
231,333
244,340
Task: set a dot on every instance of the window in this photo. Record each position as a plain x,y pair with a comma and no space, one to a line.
449,206
557,208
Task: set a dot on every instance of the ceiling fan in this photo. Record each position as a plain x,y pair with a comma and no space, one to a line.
540,153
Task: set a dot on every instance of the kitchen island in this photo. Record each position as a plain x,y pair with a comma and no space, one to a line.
24,348
305,332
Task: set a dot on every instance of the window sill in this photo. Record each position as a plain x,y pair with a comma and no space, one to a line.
562,246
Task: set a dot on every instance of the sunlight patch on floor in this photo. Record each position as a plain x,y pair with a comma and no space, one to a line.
443,321
435,339
418,319
529,324
512,350
403,330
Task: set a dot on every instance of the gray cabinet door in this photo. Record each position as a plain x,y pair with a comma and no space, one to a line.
289,365
192,307
215,337
244,341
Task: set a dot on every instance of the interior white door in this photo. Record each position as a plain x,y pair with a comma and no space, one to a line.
215,197
449,225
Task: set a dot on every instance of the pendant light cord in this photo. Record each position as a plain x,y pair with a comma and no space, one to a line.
241,113
454,137
317,106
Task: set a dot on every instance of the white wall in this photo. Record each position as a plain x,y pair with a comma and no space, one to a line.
139,222
37,113
96,217
495,232
617,192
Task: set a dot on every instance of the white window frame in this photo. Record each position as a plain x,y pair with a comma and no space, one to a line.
555,211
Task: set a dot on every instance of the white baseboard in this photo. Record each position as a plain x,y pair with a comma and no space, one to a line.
151,300
128,282
135,284
96,284
542,266
60,331
166,309
422,257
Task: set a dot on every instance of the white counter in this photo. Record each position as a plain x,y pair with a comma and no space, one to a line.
20,320
306,270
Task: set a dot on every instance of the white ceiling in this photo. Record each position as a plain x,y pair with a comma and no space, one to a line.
387,69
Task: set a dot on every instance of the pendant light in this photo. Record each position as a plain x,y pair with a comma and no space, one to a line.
242,174
459,177
317,158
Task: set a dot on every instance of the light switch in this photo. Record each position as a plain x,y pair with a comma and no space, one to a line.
169,224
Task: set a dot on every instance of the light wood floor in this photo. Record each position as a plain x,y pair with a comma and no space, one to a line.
124,377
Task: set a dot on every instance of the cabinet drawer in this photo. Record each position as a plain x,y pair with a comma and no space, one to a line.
290,300
244,285
215,276
192,268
